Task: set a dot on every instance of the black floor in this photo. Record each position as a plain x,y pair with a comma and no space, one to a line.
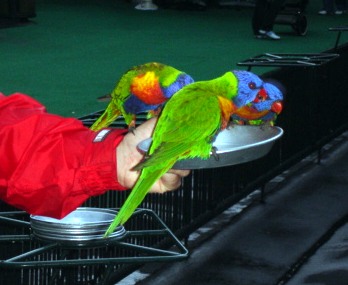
298,236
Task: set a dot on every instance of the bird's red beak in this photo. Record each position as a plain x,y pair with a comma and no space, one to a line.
277,107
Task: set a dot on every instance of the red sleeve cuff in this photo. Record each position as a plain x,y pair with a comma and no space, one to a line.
99,171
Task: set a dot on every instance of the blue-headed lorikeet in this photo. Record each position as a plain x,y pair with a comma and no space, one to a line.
143,88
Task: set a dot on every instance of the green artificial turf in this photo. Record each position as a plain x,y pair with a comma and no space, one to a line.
74,51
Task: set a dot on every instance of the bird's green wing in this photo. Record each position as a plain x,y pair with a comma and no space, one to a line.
185,129
186,126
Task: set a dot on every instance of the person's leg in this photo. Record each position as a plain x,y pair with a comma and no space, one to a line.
329,6
273,9
341,5
258,16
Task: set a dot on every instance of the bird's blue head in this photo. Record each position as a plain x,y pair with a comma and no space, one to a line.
264,108
249,85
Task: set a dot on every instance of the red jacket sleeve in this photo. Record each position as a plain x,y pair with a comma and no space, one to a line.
50,165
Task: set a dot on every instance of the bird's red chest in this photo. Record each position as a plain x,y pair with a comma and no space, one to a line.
147,88
250,113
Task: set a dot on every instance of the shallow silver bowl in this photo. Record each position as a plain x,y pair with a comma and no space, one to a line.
80,226
235,145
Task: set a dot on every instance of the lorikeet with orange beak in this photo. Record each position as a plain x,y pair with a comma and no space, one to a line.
186,128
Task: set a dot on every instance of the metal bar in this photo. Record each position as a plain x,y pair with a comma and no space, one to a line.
152,213
147,249
306,63
11,238
11,213
86,262
339,29
273,55
138,233
14,221
338,39
157,218
31,253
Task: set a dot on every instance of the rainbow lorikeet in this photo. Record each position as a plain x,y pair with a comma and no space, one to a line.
265,108
186,128
143,88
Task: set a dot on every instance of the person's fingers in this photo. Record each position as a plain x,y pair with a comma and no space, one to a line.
128,156
144,131
181,172
169,181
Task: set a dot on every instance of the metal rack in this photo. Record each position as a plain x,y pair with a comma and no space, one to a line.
146,239
288,60
309,64
338,29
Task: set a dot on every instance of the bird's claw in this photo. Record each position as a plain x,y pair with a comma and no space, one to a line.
132,125
131,129
214,153
231,124
104,98
266,125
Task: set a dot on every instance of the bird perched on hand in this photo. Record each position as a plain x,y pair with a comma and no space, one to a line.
187,127
143,88
265,108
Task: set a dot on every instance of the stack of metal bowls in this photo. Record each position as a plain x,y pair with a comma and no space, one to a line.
81,227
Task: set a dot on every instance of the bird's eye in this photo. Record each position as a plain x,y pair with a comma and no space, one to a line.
252,85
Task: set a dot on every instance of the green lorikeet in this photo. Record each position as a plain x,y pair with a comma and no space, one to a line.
186,128
143,88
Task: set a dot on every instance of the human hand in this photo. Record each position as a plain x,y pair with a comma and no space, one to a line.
128,156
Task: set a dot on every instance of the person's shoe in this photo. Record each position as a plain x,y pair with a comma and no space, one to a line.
272,35
260,34
338,12
322,12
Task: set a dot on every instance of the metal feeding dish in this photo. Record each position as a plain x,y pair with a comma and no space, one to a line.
235,145
81,226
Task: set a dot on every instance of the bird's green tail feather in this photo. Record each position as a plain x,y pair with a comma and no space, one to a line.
105,120
137,195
